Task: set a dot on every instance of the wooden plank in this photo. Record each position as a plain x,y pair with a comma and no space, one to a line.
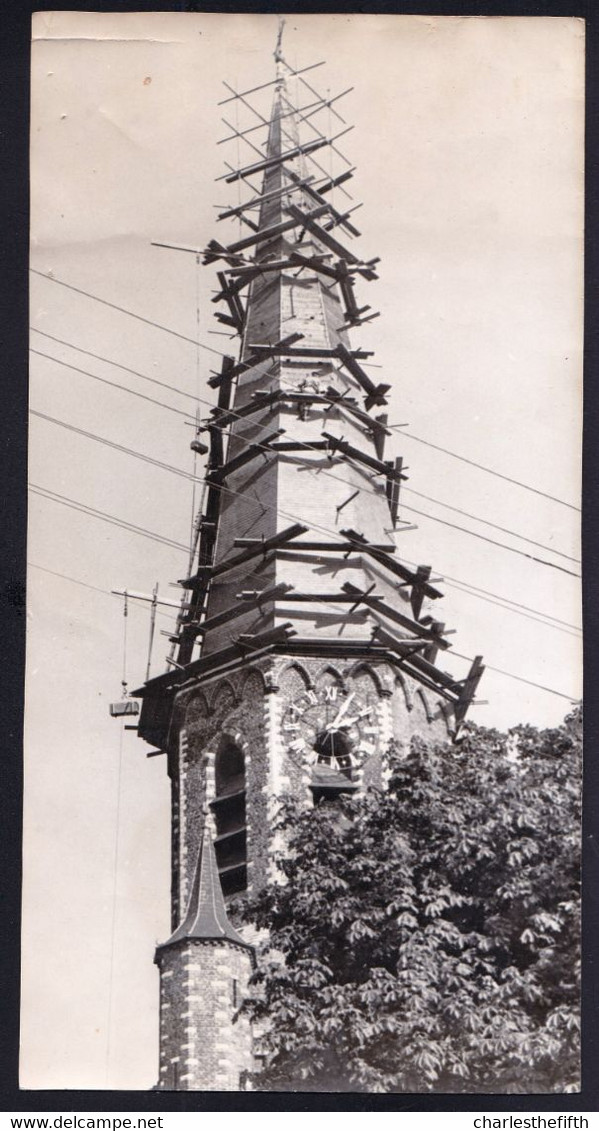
238,610
340,445
393,614
315,195
259,639
227,320
350,362
264,198
343,402
258,358
223,381
331,184
395,488
421,631
469,689
437,628
229,294
299,446
436,674
210,665
263,85
281,350
326,547
307,220
361,321
375,394
331,648
418,594
264,546
396,567
342,219
272,162
320,598
216,250
429,669
251,452
264,400
313,106
379,432
216,448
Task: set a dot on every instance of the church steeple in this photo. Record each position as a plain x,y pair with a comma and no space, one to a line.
305,643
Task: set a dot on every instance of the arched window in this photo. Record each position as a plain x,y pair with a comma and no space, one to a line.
229,812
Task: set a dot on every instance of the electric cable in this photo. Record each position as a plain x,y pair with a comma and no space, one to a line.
481,467
500,671
491,541
521,679
75,504
329,474
117,364
171,617
122,309
114,384
185,475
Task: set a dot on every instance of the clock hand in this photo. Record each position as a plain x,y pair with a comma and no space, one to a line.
356,718
341,712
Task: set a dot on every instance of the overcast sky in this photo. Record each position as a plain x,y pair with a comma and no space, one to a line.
468,143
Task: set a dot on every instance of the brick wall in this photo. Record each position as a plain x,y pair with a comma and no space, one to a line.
249,706
205,1044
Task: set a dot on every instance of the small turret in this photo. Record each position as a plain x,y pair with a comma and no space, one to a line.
204,967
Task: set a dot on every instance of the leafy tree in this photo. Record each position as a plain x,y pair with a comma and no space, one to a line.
426,937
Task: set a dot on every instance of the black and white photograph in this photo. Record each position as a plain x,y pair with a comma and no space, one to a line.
303,726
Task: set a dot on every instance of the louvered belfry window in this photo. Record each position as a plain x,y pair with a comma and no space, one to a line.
229,812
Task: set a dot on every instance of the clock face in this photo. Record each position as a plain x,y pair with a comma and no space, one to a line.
331,728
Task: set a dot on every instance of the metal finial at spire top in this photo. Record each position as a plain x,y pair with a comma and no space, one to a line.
278,49
278,55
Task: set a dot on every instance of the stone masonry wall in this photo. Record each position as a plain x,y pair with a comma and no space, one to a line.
249,706
205,1044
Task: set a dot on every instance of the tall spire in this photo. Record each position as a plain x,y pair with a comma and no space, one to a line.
297,546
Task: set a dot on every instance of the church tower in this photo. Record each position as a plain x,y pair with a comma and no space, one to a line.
304,644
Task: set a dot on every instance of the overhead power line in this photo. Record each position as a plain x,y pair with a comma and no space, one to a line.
493,525
481,467
76,505
96,588
500,671
218,353
448,580
229,491
187,475
123,310
549,622
112,444
75,580
494,599
521,679
114,384
117,365
491,541
328,474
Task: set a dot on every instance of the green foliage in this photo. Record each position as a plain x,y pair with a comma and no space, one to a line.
426,937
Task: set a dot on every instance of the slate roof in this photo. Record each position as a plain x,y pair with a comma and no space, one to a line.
206,918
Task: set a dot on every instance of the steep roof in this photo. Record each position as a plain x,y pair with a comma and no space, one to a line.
206,917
